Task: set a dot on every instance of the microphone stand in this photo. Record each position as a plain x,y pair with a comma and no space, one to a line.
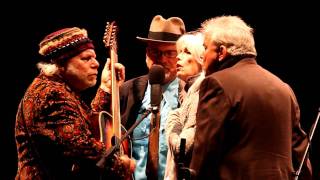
101,163
153,144
297,173
184,173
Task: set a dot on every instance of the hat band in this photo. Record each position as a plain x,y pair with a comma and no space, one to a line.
163,36
70,50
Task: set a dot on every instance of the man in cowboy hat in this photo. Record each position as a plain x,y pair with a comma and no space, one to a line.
135,93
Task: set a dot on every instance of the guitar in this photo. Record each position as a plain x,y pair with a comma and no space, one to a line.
110,124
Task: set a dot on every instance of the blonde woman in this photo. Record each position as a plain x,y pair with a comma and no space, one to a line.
181,121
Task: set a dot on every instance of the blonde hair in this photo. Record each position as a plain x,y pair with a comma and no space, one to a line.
232,32
192,41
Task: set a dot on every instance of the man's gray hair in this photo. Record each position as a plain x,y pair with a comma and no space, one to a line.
232,32
47,68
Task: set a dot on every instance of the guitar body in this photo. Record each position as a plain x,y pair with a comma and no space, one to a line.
107,136
126,145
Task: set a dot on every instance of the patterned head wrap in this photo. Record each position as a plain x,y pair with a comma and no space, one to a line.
64,44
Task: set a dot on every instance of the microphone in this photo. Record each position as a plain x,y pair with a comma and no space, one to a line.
156,78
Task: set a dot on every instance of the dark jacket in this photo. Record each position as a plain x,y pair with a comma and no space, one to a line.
131,96
247,125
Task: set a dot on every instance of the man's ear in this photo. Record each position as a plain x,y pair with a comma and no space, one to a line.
222,52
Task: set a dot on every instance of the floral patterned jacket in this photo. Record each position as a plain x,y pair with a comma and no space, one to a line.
54,131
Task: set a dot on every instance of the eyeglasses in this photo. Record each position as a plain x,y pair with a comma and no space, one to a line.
157,53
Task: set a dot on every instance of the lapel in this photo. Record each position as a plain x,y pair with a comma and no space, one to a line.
139,88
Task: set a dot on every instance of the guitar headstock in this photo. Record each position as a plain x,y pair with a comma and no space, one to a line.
110,35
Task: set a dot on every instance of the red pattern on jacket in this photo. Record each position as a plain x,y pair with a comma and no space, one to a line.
60,126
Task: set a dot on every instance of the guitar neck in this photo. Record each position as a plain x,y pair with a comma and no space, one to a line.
115,96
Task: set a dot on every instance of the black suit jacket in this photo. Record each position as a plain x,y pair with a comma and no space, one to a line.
131,96
247,125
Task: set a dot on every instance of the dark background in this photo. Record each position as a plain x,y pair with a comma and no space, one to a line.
286,38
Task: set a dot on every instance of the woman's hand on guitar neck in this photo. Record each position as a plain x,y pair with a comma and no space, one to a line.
106,75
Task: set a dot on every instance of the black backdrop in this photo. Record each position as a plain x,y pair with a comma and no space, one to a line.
284,36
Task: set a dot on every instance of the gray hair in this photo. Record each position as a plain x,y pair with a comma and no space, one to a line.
47,68
194,43
232,32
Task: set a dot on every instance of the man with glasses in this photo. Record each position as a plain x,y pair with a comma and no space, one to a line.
135,93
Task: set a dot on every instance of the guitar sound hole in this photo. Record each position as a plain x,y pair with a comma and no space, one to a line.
113,140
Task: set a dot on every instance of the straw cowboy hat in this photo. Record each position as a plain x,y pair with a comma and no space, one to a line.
165,30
